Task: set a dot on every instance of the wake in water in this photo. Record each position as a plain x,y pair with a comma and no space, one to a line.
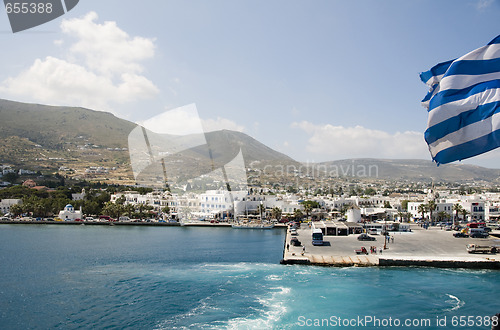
269,316
454,301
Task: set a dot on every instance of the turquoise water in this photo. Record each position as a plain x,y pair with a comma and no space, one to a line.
70,277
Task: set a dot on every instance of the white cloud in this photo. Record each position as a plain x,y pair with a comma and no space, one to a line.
56,81
103,67
338,142
210,125
106,48
483,4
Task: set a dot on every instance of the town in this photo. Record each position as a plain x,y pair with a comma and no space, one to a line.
353,200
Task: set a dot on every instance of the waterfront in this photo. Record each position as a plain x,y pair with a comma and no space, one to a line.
429,247
174,277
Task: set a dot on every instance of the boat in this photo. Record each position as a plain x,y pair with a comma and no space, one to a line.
251,225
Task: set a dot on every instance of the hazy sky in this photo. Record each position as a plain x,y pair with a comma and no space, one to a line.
317,80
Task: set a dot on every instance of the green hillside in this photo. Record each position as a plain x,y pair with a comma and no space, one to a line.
48,137
52,127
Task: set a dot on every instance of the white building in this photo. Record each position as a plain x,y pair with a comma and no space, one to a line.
5,169
78,196
70,214
5,205
354,214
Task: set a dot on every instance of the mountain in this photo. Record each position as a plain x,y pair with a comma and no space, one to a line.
48,137
82,134
411,170
52,126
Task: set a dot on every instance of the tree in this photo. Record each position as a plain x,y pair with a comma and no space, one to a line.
297,214
113,210
387,205
129,210
144,210
369,191
121,200
16,210
262,209
422,208
442,215
166,210
464,213
431,206
309,205
276,213
457,208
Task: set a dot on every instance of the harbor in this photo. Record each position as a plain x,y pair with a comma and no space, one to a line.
431,247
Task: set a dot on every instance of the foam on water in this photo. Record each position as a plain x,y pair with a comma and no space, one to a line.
454,301
148,278
273,308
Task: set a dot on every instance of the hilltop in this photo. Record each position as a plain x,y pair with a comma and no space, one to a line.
416,170
42,137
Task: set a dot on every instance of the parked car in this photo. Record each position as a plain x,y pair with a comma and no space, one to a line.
366,237
293,232
295,241
460,234
479,235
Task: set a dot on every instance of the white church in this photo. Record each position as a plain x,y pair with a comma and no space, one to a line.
69,213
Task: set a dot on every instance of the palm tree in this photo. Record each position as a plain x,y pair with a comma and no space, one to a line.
16,210
307,209
276,213
422,208
458,209
129,210
308,206
442,215
464,213
262,209
401,216
297,213
431,205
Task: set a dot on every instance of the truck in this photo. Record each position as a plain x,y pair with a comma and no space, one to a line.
474,248
361,251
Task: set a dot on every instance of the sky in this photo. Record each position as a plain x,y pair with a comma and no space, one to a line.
316,80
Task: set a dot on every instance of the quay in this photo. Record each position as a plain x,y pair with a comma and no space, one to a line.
90,223
128,223
431,247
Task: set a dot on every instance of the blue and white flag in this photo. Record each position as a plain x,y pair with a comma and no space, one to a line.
464,105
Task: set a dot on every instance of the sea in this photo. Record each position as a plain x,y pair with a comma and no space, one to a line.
138,277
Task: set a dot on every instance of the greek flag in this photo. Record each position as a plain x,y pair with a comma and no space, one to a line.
464,105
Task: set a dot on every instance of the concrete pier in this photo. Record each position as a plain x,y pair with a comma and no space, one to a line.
420,247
